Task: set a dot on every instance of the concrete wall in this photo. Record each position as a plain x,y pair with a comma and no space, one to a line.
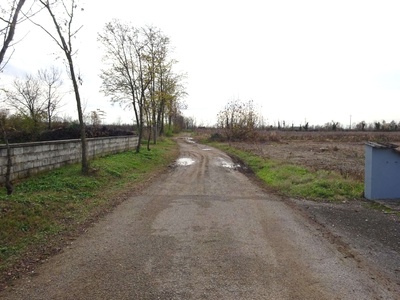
31,158
382,172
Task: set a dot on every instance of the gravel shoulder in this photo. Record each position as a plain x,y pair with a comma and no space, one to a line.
368,231
369,235
203,230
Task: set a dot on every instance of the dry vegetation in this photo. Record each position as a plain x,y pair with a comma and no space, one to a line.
341,151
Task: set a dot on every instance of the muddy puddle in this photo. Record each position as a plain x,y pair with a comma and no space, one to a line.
190,140
185,161
227,164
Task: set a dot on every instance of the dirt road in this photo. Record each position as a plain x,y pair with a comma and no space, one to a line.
202,231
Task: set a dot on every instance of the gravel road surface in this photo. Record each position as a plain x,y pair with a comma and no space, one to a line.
203,230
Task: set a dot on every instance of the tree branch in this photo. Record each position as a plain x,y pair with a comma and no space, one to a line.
11,32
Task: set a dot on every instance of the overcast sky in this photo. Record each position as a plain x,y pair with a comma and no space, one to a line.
314,61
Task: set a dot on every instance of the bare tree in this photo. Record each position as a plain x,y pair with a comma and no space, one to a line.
172,92
8,21
361,125
139,74
51,78
335,125
166,88
156,50
124,78
392,126
239,120
26,98
8,25
95,117
65,33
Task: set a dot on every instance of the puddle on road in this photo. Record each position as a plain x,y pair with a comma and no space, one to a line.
228,164
185,161
206,149
190,140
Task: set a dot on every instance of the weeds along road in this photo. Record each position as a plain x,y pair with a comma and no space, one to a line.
202,231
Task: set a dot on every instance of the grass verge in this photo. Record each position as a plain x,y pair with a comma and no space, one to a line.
61,202
298,181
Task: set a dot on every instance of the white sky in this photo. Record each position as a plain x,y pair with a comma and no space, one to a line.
298,60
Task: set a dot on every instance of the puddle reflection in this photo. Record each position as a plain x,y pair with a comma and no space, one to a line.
227,164
185,161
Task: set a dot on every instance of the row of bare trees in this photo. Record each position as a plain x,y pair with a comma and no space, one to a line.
337,126
138,73
61,14
138,70
36,97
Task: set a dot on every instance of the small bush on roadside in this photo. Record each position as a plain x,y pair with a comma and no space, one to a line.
217,137
239,121
169,133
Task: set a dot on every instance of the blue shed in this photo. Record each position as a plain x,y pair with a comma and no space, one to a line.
382,171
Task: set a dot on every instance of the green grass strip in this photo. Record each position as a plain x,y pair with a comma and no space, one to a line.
298,181
53,202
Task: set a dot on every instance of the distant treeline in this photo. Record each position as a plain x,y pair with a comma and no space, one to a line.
361,126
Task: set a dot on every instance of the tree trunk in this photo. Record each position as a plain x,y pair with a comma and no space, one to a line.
49,110
85,162
155,131
160,118
138,123
149,139
149,128
140,135
162,131
8,184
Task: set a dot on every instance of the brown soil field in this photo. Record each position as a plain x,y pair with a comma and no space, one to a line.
341,151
